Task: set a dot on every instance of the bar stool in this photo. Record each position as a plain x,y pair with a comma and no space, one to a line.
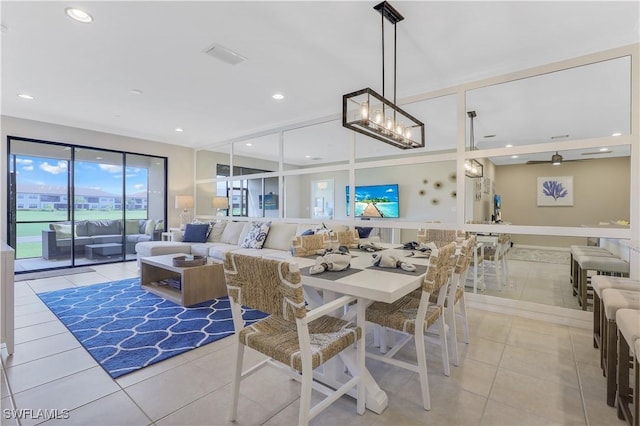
614,300
583,250
607,265
599,283
628,321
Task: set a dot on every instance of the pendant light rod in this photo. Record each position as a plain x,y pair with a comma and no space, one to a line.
395,62
472,138
382,22
393,16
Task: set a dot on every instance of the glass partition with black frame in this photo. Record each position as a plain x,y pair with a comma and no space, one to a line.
73,205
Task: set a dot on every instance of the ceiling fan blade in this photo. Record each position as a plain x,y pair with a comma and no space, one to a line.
538,162
596,153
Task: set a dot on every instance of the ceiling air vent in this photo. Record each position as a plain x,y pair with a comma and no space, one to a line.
223,54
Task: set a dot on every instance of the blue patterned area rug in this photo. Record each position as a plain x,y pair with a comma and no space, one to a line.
126,328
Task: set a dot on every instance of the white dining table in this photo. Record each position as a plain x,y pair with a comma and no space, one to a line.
368,284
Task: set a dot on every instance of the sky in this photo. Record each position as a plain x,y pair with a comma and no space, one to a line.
105,177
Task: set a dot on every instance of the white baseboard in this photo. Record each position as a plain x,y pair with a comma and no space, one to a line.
541,247
537,311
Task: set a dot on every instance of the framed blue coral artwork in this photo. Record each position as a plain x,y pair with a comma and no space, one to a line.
555,191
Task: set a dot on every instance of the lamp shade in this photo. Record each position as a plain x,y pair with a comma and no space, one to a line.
220,203
184,201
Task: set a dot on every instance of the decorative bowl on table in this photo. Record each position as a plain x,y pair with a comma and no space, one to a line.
188,261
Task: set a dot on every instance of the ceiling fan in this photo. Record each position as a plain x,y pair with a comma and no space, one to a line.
556,160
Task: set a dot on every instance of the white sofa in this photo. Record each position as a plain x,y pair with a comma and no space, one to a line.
228,236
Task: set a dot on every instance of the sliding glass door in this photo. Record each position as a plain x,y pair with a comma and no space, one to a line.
98,181
73,205
39,210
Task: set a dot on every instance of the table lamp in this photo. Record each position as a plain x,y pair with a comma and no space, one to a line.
220,203
184,202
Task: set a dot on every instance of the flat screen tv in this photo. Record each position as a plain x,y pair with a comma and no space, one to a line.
375,201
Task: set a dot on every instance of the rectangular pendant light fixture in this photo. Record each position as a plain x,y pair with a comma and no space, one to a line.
369,113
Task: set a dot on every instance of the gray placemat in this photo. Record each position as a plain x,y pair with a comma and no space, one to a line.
417,254
420,269
330,275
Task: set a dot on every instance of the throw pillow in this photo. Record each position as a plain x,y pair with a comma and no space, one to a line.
363,232
195,233
231,232
256,235
308,232
216,231
63,230
149,227
131,226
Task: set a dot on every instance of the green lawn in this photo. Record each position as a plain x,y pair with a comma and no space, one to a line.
31,233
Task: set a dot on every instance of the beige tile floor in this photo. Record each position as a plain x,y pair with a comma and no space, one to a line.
515,371
535,282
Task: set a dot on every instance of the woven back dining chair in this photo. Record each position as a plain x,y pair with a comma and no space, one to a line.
411,317
455,297
310,245
296,340
440,237
348,238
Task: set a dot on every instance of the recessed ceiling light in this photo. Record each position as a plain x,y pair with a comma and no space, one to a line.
249,144
508,146
25,96
179,129
604,149
514,156
307,156
278,96
616,134
135,91
98,158
78,15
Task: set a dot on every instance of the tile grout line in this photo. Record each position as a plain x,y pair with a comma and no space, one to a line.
495,376
575,362
8,385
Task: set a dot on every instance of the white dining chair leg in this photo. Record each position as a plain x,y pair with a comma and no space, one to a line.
463,315
382,336
506,269
497,266
444,347
376,336
305,396
360,359
237,376
422,370
452,334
